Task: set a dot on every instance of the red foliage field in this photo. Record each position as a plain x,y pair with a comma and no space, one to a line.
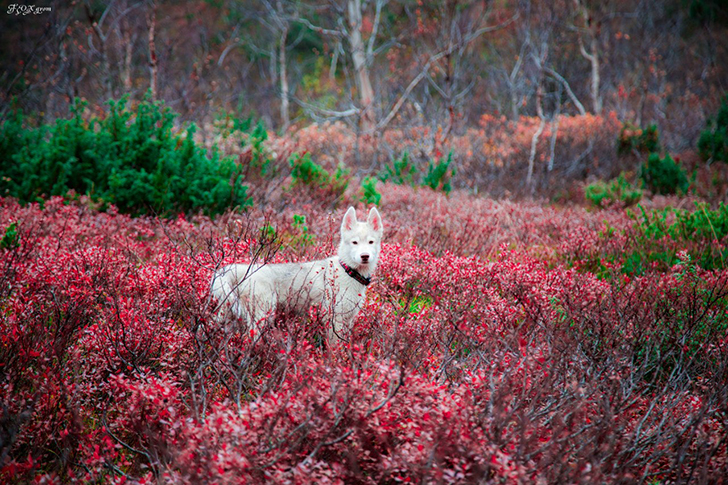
500,343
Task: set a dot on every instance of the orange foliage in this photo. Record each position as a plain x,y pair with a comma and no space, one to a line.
584,143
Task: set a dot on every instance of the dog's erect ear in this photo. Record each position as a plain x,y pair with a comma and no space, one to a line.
349,220
375,220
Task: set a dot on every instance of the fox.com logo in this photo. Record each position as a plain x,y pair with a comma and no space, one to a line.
16,9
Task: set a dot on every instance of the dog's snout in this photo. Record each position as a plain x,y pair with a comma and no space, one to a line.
364,258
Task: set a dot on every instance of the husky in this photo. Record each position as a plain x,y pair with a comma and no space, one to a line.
337,285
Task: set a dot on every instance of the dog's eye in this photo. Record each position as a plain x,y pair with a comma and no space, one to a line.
371,242
354,242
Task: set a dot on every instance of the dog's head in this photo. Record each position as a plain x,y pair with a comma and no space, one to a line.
361,242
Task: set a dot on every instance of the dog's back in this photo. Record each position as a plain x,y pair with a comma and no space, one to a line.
253,290
337,284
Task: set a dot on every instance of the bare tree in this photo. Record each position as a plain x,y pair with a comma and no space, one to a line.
126,37
349,27
103,24
457,42
591,29
511,77
539,59
96,22
151,25
359,58
463,19
281,25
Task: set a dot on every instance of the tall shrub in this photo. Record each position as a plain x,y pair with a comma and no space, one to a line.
664,175
713,142
132,158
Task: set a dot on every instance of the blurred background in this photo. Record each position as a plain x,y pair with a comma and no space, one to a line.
524,94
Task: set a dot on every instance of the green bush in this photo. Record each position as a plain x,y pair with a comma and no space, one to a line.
255,159
662,233
14,138
702,224
369,191
664,175
227,124
130,158
632,138
713,142
301,236
10,239
439,174
619,190
260,160
401,172
306,172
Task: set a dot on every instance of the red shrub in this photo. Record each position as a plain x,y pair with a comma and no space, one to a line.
499,343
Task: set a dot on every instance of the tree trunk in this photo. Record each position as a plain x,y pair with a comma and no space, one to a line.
107,67
285,118
95,24
126,73
541,62
358,55
123,33
595,77
534,145
514,104
152,21
592,56
556,120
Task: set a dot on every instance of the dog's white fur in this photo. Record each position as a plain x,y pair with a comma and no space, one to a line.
253,292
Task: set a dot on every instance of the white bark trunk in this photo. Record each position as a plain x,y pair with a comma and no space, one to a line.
285,118
532,157
358,55
592,56
595,77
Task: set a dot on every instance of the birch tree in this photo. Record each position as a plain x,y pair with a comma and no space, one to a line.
280,25
590,28
347,29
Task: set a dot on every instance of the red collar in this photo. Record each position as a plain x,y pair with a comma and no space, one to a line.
364,280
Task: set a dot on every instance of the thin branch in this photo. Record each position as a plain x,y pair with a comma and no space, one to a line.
392,393
582,49
519,61
532,156
230,46
569,92
320,30
406,93
554,134
338,49
328,112
425,70
375,30
491,28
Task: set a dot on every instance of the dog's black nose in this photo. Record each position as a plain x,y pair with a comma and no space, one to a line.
364,258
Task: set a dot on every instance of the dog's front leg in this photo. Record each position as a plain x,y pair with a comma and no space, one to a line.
345,311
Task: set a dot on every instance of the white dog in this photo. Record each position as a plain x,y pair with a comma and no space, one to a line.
338,284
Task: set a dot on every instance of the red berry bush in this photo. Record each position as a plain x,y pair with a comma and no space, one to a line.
501,342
